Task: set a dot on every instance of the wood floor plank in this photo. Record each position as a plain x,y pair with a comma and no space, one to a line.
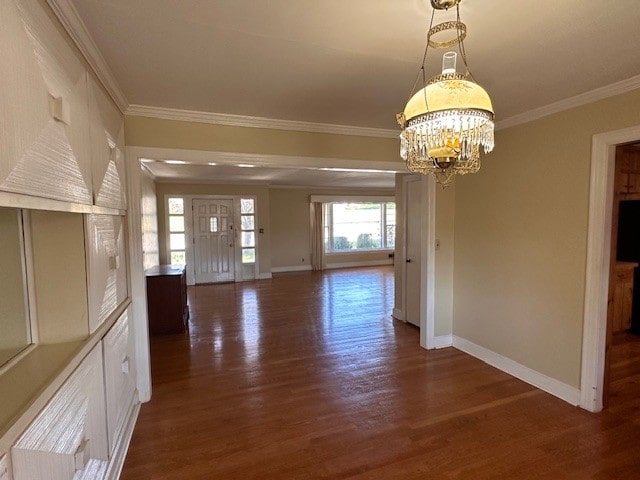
307,376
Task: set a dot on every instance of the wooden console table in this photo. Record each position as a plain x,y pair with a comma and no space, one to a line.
167,299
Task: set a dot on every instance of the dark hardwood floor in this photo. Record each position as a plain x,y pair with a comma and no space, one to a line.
307,376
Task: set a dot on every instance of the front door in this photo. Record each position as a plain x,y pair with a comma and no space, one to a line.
213,240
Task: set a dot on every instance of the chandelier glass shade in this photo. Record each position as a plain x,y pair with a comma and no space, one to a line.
446,122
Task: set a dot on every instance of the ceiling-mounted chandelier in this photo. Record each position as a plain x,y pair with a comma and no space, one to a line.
445,123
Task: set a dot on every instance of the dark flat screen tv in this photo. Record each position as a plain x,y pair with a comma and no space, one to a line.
628,249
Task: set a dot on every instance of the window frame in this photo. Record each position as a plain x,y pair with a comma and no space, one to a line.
254,230
328,225
168,217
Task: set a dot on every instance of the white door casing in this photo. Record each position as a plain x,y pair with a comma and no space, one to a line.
213,240
598,261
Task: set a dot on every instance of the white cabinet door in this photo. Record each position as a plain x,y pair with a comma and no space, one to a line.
119,377
107,142
69,435
45,146
107,266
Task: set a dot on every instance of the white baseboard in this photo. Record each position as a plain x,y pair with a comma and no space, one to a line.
368,263
122,445
264,276
550,385
398,314
292,268
442,341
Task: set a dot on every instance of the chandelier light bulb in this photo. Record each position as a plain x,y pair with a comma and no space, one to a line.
449,63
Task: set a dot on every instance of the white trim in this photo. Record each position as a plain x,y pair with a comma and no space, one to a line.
203,157
256,122
75,27
443,341
291,268
598,263
30,283
137,279
122,446
352,198
274,186
264,276
29,202
601,93
398,314
428,265
366,263
543,382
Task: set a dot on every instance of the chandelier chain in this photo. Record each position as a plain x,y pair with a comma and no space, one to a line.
461,48
424,59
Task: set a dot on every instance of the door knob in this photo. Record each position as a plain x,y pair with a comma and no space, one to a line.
408,260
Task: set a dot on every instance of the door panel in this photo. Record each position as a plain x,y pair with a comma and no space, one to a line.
107,266
412,271
213,240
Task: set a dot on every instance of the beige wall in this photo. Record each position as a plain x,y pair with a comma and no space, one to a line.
153,132
263,212
445,207
521,235
60,276
290,227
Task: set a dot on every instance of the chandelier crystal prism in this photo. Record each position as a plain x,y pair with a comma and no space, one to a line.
446,122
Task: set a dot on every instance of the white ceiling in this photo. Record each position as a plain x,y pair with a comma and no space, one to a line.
276,176
354,62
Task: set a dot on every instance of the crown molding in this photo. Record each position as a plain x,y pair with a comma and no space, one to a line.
256,122
75,27
601,93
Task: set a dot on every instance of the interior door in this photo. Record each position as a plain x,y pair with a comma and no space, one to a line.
413,238
213,240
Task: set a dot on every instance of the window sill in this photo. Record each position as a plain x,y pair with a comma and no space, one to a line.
351,252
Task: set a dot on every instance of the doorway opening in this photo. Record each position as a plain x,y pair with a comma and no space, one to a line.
622,352
415,267
595,355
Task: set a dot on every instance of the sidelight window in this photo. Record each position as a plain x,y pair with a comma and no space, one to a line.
177,238
248,230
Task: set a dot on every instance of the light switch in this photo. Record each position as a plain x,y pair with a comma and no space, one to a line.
59,109
114,262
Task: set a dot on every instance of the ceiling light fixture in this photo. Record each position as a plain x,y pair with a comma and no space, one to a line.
245,165
175,162
445,123
357,170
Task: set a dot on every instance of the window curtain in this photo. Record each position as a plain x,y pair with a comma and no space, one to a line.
317,240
